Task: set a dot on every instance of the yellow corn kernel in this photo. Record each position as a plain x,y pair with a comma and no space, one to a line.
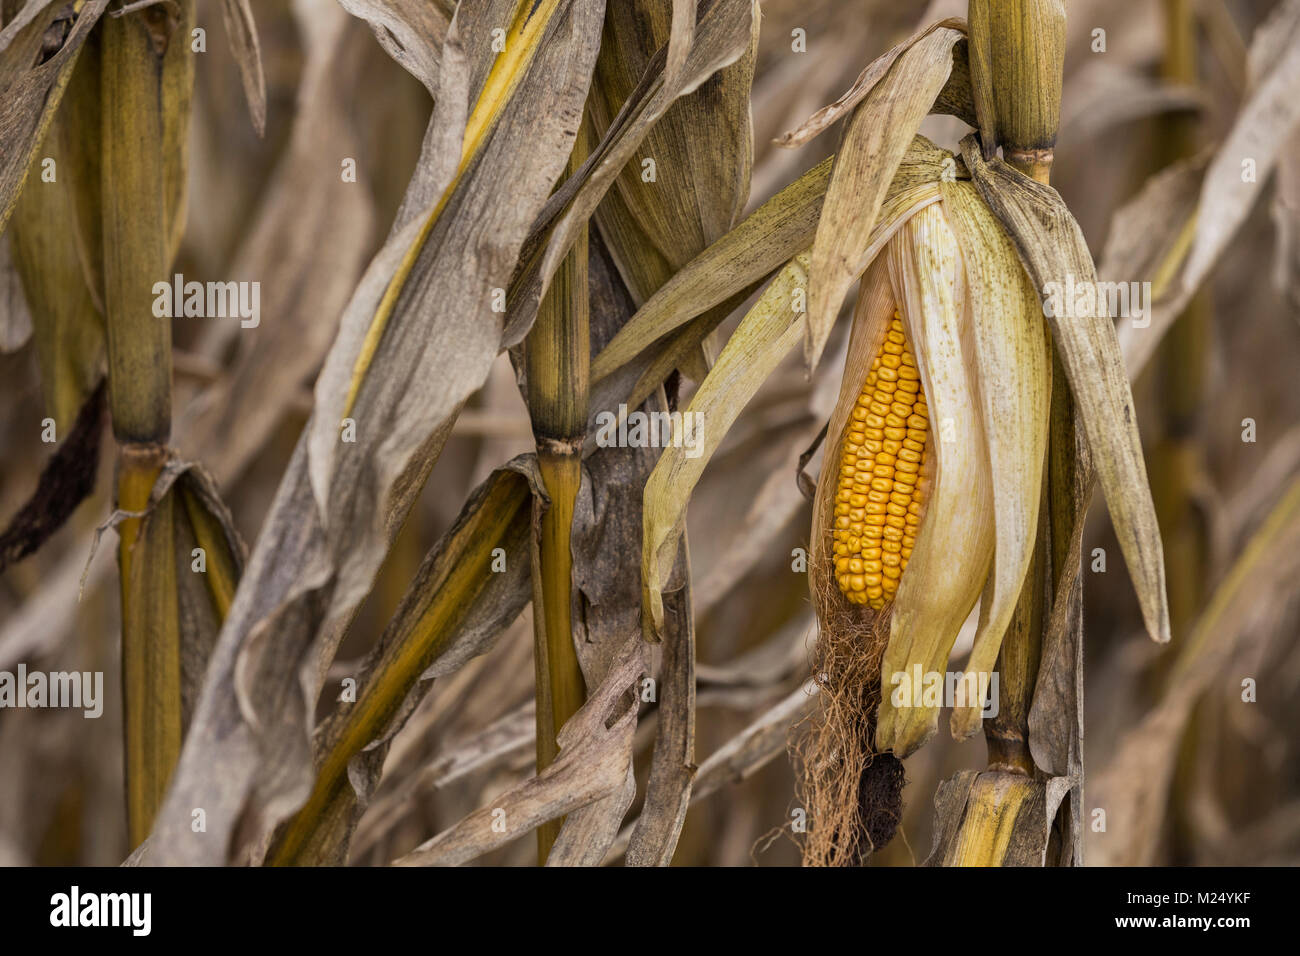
883,453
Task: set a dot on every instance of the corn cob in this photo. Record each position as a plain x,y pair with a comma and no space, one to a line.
880,494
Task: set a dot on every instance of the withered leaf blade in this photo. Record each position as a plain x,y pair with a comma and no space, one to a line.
827,116
763,338
237,15
410,31
454,609
27,106
1135,787
1233,182
722,36
25,16
1255,141
307,247
68,332
672,767
762,242
700,151
1055,254
875,142
592,764
67,479
309,572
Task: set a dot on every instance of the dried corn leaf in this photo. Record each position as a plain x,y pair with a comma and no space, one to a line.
237,15
28,102
308,574
1256,139
68,332
67,479
1056,709
701,149
410,31
455,608
672,767
758,345
81,145
606,538
1054,252
827,116
875,142
25,16
721,37
595,745
761,243
307,246
757,745
1233,182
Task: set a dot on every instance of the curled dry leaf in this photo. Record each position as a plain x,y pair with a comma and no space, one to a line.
721,37
29,101
875,142
592,764
412,32
237,15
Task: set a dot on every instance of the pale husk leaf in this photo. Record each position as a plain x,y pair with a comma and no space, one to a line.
1015,383
954,548
1052,248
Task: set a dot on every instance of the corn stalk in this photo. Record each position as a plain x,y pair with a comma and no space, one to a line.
145,76
558,358
1016,58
